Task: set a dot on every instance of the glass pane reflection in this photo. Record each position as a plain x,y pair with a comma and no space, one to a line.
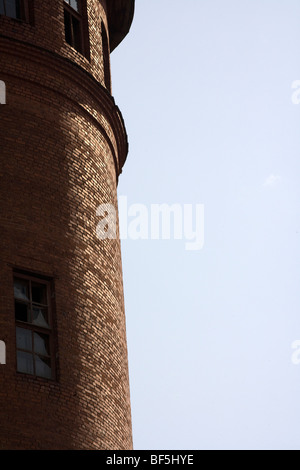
40,317
25,362
24,339
21,289
42,367
41,344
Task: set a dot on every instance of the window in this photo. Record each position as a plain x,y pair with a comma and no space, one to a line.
34,323
105,54
13,8
73,24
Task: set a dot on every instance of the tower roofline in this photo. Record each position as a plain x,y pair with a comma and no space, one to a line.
120,15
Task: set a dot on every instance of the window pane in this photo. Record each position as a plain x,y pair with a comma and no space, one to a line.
24,339
43,367
77,34
21,312
21,289
1,7
105,57
25,362
40,317
13,8
19,9
74,4
39,293
68,33
41,344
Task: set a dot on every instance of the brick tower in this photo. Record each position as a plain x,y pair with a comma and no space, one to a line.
62,147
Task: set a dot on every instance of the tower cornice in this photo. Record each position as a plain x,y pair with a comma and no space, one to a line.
120,15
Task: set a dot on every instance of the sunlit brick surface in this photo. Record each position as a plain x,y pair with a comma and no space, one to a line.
62,147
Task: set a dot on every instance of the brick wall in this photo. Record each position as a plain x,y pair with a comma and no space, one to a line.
62,147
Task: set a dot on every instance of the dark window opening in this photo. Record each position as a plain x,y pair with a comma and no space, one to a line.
68,29
74,24
34,326
105,54
13,9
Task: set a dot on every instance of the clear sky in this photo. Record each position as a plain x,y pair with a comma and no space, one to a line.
205,88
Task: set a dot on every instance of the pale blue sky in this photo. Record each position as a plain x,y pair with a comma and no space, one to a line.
205,90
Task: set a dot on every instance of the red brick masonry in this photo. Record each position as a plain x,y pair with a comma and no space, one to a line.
62,147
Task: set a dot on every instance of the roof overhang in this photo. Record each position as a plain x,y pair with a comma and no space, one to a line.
120,15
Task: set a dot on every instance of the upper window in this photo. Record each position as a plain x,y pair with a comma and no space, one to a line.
105,55
74,24
13,8
34,326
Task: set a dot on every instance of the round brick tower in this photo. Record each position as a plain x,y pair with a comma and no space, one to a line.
62,147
